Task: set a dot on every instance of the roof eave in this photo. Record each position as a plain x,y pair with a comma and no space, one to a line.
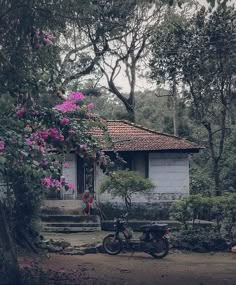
192,150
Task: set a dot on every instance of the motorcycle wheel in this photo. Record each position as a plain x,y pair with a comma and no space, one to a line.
160,248
112,245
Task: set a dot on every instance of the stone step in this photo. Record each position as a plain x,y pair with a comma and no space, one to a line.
61,207
70,225
71,218
71,229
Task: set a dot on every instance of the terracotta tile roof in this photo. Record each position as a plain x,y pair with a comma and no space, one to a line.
132,137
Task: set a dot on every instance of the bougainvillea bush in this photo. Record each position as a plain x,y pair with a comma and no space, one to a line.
33,143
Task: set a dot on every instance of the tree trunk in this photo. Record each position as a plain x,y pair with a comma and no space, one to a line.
215,157
175,117
174,97
216,174
131,114
10,264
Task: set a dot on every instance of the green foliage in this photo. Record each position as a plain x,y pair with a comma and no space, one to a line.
220,210
199,53
199,239
126,183
200,181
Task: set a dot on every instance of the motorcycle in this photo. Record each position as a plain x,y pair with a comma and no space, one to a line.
154,239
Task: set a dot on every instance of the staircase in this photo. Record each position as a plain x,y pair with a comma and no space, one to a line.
65,216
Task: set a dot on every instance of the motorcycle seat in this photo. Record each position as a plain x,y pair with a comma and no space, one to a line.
154,226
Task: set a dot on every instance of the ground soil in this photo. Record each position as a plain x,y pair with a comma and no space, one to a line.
177,268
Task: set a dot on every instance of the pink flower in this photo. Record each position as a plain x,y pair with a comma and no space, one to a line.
44,134
71,132
2,146
20,112
48,41
83,147
67,106
47,182
75,96
71,186
61,138
29,143
66,164
57,183
35,113
37,35
70,103
49,35
54,133
64,121
38,45
90,105
42,149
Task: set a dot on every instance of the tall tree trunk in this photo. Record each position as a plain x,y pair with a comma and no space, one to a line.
216,174
174,106
175,119
131,113
10,264
215,157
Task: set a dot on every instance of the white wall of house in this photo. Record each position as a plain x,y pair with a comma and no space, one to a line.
168,171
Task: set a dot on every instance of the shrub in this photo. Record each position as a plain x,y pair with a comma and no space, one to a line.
221,210
187,209
126,183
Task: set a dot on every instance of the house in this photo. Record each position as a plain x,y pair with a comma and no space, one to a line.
161,157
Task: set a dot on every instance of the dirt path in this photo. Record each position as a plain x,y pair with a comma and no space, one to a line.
175,269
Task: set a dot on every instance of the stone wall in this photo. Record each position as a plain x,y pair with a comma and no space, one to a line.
138,211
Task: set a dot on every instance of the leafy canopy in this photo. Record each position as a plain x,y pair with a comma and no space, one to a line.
126,183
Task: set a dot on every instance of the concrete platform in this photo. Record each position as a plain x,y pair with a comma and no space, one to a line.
63,207
66,216
76,239
70,223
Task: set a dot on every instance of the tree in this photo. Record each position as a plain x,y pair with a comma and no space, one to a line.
45,47
200,54
127,54
33,144
124,184
93,25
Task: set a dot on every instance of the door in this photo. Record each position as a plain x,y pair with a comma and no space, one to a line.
85,177
70,174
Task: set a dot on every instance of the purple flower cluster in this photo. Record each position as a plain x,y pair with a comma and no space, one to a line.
70,104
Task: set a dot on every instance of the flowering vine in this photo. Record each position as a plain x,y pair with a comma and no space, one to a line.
37,149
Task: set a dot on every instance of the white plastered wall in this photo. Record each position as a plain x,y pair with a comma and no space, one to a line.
168,171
